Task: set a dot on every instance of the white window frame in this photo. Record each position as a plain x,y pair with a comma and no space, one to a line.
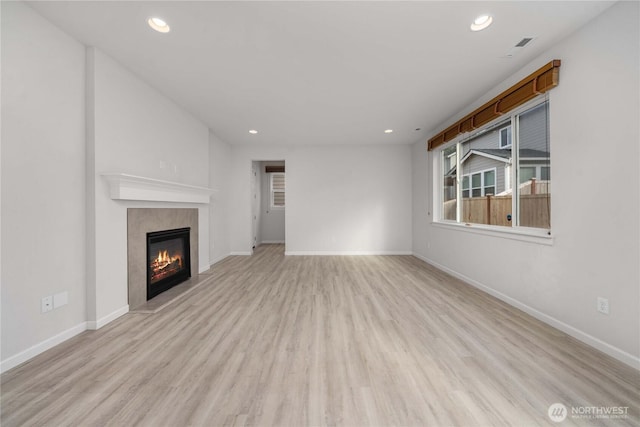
272,191
516,232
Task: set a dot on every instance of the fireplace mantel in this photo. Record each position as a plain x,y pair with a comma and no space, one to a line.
131,187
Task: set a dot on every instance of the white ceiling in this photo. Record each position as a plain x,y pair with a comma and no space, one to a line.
323,72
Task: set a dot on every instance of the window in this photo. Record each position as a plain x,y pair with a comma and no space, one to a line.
545,173
526,173
478,174
483,183
465,187
277,190
505,137
538,172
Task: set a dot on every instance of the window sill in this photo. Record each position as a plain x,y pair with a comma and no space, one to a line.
529,235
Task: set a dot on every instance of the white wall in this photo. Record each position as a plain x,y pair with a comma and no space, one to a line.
220,156
340,199
136,130
43,188
272,221
594,125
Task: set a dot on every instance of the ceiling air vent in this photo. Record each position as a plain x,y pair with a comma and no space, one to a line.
519,46
524,41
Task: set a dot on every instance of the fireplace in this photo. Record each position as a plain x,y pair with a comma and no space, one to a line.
168,260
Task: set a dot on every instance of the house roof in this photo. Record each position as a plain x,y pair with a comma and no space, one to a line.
491,153
504,155
499,154
527,153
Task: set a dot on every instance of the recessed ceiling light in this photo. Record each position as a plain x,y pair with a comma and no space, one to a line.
481,22
253,131
159,25
388,131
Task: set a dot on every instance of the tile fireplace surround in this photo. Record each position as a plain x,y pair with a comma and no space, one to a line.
140,221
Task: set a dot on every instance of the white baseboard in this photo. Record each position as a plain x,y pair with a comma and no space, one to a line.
45,345
597,343
41,347
217,260
94,325
241,253
346,253
272,242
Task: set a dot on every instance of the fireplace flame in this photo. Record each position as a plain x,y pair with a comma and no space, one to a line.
163,256
164,260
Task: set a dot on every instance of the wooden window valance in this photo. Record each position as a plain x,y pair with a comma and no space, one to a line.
526,89
274,169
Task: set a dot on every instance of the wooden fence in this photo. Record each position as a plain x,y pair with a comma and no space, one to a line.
534,186
493,210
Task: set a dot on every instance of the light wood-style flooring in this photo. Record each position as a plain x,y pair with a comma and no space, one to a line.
295,341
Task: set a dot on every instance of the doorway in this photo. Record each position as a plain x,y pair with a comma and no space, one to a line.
268,202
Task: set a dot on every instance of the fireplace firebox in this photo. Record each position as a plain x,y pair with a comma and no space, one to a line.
168,260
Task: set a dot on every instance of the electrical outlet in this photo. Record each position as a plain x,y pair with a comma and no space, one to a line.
60,299
47,304
603,305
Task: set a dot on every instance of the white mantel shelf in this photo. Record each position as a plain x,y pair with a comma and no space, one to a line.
130,187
